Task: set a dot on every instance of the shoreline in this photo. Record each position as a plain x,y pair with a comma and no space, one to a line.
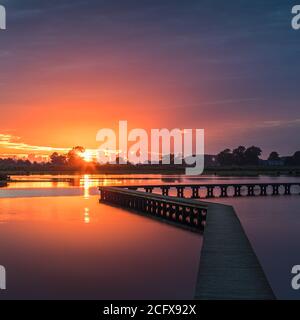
221,172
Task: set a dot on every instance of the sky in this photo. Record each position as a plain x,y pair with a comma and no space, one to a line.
71,67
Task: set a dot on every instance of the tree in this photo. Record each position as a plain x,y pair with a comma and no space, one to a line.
57,159
225,157
296,158
274,156
239,155
252,155
74,156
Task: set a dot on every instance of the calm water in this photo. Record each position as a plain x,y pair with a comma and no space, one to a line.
57,241
72,247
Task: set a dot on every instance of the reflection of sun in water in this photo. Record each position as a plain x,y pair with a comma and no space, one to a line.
86,186
87,215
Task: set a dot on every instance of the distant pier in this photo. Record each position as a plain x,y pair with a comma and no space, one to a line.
221,190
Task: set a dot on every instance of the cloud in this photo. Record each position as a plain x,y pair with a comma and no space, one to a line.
11,142
266,124
278,123
13,146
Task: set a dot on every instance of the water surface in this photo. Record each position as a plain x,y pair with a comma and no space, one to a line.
76,248
57,241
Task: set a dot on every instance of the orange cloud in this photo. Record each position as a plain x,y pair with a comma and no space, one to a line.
13,145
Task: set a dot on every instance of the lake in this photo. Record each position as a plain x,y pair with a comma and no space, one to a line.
57,241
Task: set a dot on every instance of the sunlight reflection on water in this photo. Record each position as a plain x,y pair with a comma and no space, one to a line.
74,247
271,224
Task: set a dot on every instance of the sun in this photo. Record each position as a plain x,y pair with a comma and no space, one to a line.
87,156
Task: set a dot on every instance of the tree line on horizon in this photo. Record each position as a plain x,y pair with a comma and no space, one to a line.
70,160
240,156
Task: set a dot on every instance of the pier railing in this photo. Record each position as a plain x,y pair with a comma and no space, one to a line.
197,191
184,213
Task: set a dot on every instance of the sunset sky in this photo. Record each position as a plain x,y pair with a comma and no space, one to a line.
71,67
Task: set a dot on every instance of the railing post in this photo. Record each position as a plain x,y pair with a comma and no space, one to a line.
210,191
172,212
165,191
180,192
195,193
287,189
203,218
237,191
190,215
184,215
223,192
250,191
263,190
275,190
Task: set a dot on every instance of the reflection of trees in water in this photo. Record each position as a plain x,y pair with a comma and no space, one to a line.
75,182
3,184
3,180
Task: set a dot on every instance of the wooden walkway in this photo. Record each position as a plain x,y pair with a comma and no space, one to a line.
229,268
183,213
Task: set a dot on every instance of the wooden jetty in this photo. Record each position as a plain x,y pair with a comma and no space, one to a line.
184,213
222,190
229,268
